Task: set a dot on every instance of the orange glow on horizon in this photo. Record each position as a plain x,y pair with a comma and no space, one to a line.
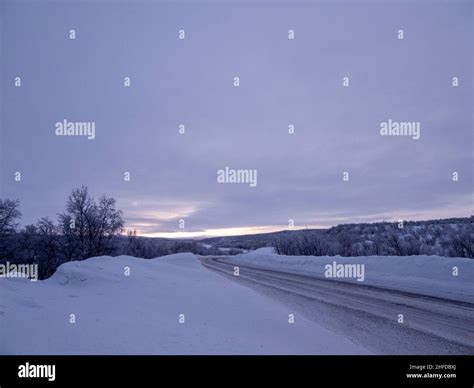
223,232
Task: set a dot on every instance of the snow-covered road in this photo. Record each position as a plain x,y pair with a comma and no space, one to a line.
368,315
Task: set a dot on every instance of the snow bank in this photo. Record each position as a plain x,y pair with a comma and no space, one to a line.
427,275
139,313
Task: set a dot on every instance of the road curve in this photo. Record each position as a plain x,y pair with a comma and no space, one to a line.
365,314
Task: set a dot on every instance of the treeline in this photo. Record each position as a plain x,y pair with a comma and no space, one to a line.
149,248
86,228
451,238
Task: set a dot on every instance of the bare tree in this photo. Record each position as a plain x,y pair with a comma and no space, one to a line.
48,245
394,242
9,214
89,226
462,243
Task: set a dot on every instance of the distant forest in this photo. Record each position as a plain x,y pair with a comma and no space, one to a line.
452,237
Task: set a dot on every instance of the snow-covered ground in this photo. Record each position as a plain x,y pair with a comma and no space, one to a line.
140,313
426,275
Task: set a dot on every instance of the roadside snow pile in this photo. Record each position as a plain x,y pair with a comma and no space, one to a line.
426,275
168,305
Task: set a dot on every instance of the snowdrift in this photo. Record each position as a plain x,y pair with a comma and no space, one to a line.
168,305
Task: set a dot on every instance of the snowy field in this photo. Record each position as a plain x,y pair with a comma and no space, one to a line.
426,275
140,314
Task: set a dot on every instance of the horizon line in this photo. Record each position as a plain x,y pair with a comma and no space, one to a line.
255,230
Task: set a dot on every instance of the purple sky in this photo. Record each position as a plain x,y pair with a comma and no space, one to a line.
282,82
